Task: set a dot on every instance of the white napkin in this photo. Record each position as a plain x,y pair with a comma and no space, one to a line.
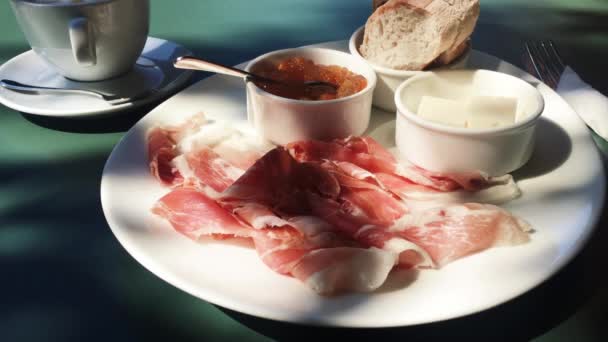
587,102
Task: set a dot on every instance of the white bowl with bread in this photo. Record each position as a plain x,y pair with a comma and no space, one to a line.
281,119
467,120
403,38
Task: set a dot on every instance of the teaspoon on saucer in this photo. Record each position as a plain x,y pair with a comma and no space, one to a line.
109,98
193,63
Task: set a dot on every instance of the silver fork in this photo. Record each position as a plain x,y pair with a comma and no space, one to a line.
545,61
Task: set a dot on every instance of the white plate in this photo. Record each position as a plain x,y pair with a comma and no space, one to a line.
154,71
563,193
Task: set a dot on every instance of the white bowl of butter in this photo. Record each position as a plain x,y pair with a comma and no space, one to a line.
467,120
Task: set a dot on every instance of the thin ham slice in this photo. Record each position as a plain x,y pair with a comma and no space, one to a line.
281,183
187,128
363,152
234,146
365,196
161,151
311,250
241,151
324,261
198,151
207,168
352,222
282,247
269,197
193,214
163,148
498,190
344,269
368,154
451,232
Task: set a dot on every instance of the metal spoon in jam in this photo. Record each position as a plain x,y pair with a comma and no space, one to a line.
308,89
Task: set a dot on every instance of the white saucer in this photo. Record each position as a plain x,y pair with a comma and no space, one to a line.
154,70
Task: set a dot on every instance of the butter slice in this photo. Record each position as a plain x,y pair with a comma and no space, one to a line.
444,111
491,111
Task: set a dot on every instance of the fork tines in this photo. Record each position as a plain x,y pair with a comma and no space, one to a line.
546,61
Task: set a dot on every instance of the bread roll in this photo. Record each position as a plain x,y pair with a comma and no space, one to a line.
449,56
411,34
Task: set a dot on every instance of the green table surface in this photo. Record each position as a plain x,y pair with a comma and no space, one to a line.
65,277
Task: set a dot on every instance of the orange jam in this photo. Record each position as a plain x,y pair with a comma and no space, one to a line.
294,71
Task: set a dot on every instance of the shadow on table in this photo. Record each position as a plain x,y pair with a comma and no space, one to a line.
552,148
102,123
119,122
520,319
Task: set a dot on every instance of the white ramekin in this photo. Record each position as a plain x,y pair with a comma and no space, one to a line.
282,120
389,79
442,148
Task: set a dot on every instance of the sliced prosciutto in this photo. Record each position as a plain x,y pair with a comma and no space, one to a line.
344,269
365,196
368,154
364,211
361,151
193,214
272,197
354,222
207,170
162,150
277,185
199,151
278,181
306,248
451,232
498,190
323,260
365,153
430,236
337,215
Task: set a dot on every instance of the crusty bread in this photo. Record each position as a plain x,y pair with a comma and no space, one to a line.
411,34
446,57
449,56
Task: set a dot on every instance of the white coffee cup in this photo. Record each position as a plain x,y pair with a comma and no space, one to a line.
85,40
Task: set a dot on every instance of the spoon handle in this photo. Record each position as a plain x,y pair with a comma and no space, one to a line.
27,88
192,63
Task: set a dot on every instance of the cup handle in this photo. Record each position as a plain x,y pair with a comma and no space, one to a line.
82,40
